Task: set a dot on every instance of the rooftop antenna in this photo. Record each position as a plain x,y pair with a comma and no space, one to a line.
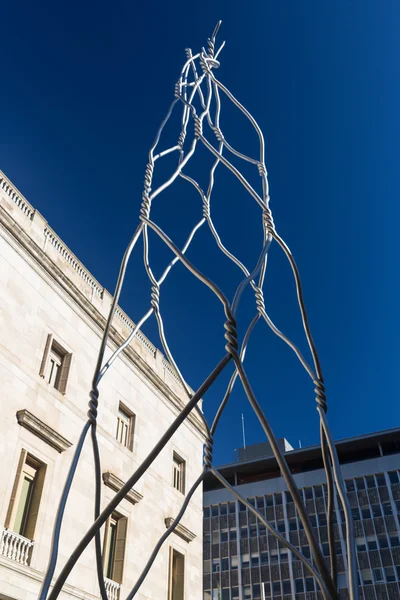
243,433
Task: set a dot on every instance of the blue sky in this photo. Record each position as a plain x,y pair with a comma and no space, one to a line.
84,88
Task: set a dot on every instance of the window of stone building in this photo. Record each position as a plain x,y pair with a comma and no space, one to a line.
176,586
114,547
26,494
56,364
125,426
178,474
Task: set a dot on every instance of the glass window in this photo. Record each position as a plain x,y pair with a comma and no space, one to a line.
253,531
288,496
380,479
318,491
114,547
370,481
26,495
223,509
338,548
372,543
206,512
355,513
398,506
245,560
360,544
366,576
378,575
322,520
256,590
252,501
247,591
215,537
274,556
325,549
224,536
225,594
125,427
231,507
360,483
262,530
207,566
387,508
234,562
267,589
284,556
260,502
383,542
276,587
292,525
394,477
394,540
306,551
313,520
242,507
235,593
278,499
350,485
178,476
244,532
281,526
310,584
366,513
389,572
342,581
214,510
255,560
269,500
232,535
286,587
308,493
264,558
299,586
376,510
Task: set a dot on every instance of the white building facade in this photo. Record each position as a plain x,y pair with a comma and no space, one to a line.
52,315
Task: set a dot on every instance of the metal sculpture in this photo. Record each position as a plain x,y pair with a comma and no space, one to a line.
196,88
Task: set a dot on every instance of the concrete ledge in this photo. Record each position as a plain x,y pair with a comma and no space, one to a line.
43,431
115,483
180,530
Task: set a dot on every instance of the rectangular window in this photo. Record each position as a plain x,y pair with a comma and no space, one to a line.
360,483
176,575
56,364
114,547
380,479
366,576
310,585
125,426
389,572
342,581
26,494
394,477
178,473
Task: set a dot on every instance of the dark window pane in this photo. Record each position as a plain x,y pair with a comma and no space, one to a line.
214,510
370,481
380,479
382,540
318,491
387,508
206,511
287,588
231,507
308,493
360,483
278,499
223,509
299,586
366,513
394,540
376,510
350,485
394,477
310,585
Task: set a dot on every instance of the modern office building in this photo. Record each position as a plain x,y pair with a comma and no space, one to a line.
242,561
52,315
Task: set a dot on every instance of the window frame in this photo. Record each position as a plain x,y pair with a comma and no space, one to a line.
130,421
119,550
59,354
178,466
172,551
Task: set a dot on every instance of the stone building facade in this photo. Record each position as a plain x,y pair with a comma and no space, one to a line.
242,561
52,314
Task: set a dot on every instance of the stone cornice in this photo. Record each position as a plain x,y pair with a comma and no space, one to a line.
42,430
28,244
180,530
115,483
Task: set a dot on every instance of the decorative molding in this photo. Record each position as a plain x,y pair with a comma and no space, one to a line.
180,530
43,431
23,239
115,483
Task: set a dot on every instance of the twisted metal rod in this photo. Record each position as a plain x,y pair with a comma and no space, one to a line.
207,61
